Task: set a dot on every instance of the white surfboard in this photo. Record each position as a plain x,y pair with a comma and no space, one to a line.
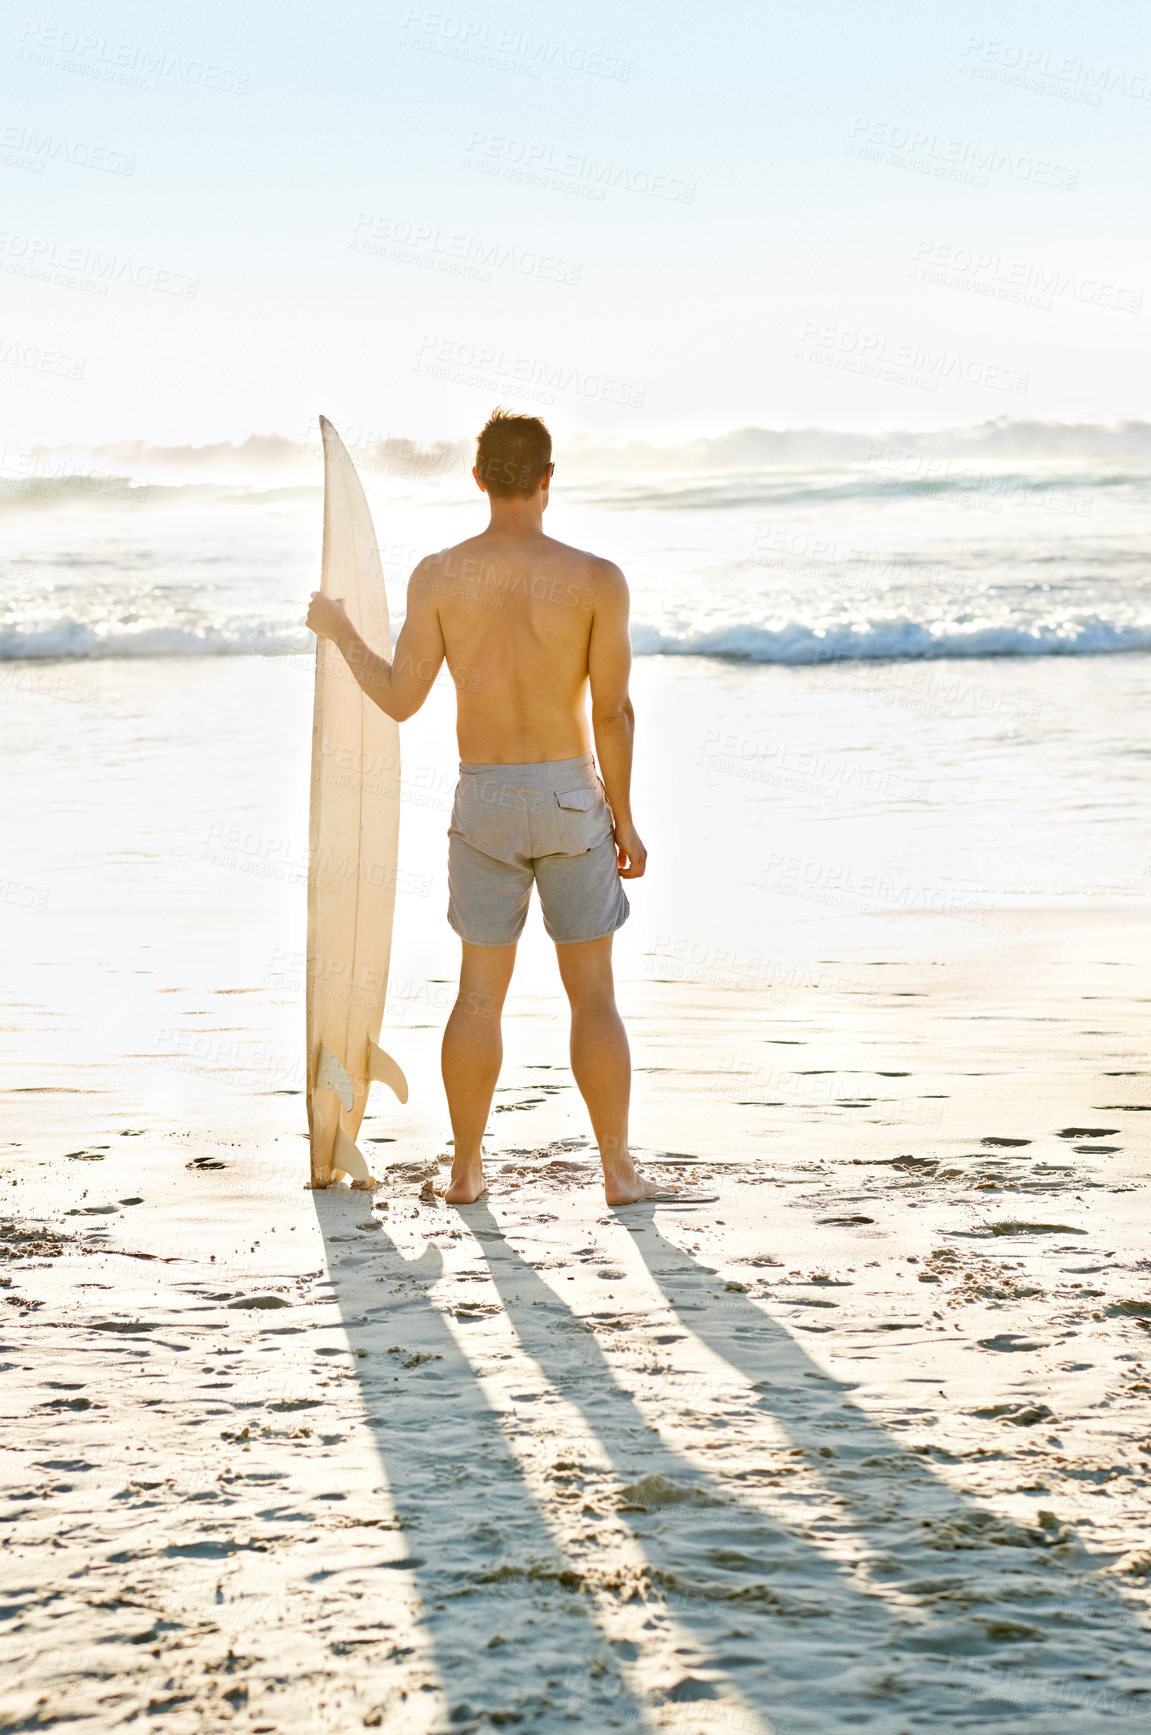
354,840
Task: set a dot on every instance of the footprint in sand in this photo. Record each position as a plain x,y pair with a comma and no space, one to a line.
1019,1415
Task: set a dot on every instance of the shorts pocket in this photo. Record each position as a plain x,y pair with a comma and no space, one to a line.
583,819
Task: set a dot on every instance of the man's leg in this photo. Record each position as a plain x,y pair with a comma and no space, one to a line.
472,1051
601,1063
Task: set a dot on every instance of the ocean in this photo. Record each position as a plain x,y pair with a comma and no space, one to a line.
889,548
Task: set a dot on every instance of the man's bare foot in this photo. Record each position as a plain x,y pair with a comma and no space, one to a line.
467,1183
624,1185
320,1183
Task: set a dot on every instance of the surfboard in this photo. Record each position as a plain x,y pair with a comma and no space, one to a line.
353,832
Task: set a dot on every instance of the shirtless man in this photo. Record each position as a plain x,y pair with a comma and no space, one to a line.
526,626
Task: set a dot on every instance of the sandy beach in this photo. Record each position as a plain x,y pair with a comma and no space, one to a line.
863,1444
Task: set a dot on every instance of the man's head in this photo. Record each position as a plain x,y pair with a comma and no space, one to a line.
513,456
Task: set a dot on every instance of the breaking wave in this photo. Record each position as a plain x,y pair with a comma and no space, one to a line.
795,643
902,640
73,640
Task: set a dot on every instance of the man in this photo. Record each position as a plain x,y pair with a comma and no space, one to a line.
526,626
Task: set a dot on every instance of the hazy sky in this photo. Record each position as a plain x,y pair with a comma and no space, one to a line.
644,219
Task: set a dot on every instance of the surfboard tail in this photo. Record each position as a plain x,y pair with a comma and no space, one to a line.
332,1075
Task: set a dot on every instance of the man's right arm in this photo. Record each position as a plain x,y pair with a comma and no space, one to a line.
612,717
398,685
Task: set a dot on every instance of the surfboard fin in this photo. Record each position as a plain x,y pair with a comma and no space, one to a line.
347,1156
333,1076
382,1067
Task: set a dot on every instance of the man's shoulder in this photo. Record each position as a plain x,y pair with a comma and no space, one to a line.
441,557
442,563
607,585
594,568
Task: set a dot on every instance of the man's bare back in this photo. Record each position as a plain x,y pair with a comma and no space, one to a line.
515,615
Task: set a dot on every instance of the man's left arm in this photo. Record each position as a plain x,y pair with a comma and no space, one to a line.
400,685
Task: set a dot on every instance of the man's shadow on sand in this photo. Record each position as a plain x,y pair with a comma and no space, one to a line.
765,1604
479,1548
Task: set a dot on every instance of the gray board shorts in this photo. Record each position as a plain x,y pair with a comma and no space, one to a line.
549,822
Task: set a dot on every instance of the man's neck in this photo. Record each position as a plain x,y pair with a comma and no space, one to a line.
517,519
